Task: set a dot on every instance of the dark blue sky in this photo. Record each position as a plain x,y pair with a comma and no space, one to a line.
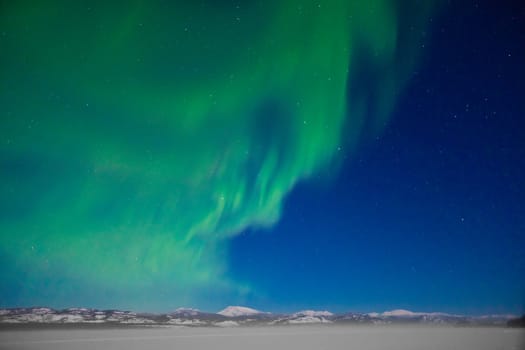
428,215
137,144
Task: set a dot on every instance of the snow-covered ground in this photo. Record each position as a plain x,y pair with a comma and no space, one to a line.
259,338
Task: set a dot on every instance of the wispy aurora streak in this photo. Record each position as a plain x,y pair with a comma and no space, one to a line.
137,139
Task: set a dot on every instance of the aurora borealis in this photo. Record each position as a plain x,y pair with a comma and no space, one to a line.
139,139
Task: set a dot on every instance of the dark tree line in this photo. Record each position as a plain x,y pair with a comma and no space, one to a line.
517,322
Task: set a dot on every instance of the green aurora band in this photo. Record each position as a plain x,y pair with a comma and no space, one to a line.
138,138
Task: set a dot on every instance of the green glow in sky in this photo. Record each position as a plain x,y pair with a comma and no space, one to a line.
137,139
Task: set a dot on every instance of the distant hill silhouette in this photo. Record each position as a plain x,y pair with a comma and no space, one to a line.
517,322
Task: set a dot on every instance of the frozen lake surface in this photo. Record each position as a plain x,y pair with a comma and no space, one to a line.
304,338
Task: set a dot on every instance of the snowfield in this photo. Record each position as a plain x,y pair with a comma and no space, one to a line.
254,338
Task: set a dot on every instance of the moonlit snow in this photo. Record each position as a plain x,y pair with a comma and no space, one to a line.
254,338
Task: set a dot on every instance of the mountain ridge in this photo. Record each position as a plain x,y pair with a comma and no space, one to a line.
233,316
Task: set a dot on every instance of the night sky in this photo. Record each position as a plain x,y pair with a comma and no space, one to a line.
282,155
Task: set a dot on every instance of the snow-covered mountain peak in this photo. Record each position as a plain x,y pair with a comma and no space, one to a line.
502,316
407,313
41,310
234,311
400,313
186,311
313,313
